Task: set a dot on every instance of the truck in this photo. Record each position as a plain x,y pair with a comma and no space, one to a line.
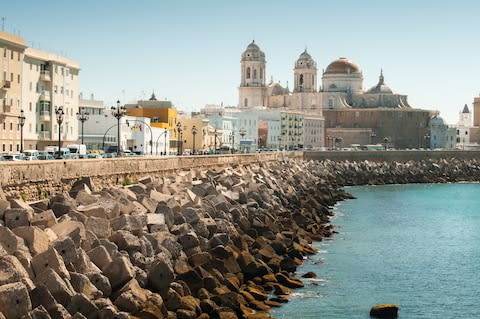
78,150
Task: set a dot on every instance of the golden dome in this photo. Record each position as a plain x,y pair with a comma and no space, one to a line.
342,66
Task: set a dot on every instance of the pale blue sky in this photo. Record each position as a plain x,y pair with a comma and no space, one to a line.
189,51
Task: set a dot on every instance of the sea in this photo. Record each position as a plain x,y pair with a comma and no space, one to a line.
414,245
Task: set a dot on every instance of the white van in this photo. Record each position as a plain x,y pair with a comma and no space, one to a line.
29,153
78,150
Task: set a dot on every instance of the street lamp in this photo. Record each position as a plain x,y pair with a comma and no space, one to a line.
232,141
427,137
118,112
179,129
21,120
215,149
59,115
385,142
194,132
82,116
372,137
242,133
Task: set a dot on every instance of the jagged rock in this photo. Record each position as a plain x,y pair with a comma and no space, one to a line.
16,217
119,272
101,282
40,313
100,256
81,304
14,300
82,285
384,311
11,271
161,275
43,219
69,228
65,248
60,289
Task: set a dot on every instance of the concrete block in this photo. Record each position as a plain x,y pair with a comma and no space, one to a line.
69,228
99,226
84,198
161,275
188,240
14,300
40,313
65,247
39,205
11,271
81,304
44,219
112,207
49,259
18,203
83,264
60,289
81,284
155,219
119,272
101,282
93,210
109,246
149,203
62,208
11,242
4,205
129,222
126,241
159,197
100,256
35,238
16,217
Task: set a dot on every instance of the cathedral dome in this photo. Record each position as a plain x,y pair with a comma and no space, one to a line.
253,53
342,66
305,61
277,89
381,87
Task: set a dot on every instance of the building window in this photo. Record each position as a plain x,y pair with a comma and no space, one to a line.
254,73
11,57
18,79
18,148
11,77
330,103
248,73
301,79
11,126
30,106
55,89
31,66
261,73
4,55
245,102
56,69
18,56
3,148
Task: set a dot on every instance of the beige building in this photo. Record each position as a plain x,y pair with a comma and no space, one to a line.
12,50
35,82
50,82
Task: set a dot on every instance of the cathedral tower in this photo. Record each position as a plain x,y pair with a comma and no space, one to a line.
252,88
305,74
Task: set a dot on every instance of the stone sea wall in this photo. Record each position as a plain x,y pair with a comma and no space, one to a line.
201,242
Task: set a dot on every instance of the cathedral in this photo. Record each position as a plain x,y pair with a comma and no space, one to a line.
352,114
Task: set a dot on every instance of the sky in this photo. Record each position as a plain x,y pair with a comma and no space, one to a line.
189,51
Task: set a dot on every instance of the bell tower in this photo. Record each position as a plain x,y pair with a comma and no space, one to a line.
305,74
252,90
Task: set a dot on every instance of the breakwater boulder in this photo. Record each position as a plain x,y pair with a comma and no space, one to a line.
388,311
196,244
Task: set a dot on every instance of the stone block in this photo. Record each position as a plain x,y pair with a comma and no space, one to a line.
155,219
119,272
138,189
14,300
60,289
81,284
109,246
65,247
83,264
62,208
4,205
100,256
158,196
126,241
49,259
99,226
11,242
43,219
16,217
188,240
11,270
41,297
35,238
161,275
150,204
84,198
39,205
40,313
101,282
128,222
93,210
81,304
69,228
85,184
18,203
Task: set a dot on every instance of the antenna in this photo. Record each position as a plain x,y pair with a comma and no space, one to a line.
3,23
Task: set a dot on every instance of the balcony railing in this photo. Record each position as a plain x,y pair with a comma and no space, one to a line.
45,116
44,96
45,75
44,135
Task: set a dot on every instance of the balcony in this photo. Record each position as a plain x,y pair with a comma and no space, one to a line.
45,76
6,108
44,116
5,85
44,96
44,135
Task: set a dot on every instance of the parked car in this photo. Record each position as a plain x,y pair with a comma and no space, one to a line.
31,158
45,157
13,157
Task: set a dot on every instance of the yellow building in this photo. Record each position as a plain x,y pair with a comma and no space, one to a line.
12,49
192,142
162,114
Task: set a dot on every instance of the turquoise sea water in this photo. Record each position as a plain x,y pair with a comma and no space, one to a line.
414,245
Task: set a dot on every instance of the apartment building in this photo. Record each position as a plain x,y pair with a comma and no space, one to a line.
12,50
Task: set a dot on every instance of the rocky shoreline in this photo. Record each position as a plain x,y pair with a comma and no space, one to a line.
195,244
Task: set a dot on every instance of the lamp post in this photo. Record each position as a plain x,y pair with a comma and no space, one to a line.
118,112
385,142
427,137
232,141
21,120
179,130
372,136
215,135
194,132
242,132
82,116
59,115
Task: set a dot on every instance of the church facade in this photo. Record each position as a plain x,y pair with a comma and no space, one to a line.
352,115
